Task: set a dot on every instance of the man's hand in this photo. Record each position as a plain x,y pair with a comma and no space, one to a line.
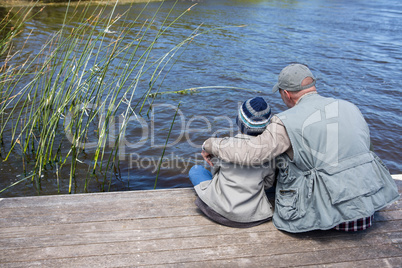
207,157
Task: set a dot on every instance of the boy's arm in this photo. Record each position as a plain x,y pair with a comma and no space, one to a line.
271,143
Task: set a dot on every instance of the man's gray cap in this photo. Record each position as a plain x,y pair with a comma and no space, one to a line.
291,77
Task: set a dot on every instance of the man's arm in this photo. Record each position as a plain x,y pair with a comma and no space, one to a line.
269,179
256,150
207,157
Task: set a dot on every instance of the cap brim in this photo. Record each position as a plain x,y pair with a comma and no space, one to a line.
275,88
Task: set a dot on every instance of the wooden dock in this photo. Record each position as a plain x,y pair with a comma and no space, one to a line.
163,228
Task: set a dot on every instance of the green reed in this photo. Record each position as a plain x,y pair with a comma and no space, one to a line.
53,103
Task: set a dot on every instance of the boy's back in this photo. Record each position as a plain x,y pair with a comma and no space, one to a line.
234,194
237,191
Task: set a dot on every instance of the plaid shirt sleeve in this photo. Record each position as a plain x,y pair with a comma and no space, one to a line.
356,225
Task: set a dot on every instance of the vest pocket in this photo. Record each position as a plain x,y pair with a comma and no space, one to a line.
361,180
284,174
288,204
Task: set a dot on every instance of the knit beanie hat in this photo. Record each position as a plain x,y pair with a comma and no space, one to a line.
253,116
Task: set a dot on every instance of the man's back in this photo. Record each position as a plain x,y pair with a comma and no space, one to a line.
333,177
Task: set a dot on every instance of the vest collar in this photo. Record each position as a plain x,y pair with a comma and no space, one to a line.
307,94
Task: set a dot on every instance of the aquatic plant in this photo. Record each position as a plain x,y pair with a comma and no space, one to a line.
68,94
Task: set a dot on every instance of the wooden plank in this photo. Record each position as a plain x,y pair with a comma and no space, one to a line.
282,261
77,237
66,201
126,205
279,243
140,224
255,255
380,262
155,239
151,208
129,210
254,262
133,213
164,228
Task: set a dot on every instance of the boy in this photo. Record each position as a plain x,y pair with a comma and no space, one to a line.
234,194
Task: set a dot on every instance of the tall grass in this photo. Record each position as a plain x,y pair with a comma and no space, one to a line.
58,100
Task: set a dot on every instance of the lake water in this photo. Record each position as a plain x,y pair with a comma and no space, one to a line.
352,47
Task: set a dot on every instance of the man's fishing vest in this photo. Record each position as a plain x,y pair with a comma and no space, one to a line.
333,176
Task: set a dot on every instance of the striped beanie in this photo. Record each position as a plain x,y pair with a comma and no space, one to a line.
253,116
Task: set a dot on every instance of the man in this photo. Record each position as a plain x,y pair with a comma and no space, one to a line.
327,175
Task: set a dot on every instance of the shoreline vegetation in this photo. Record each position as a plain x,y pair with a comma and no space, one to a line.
74,97
19,3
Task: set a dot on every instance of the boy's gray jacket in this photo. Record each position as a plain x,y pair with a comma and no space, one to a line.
333,177
237,192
